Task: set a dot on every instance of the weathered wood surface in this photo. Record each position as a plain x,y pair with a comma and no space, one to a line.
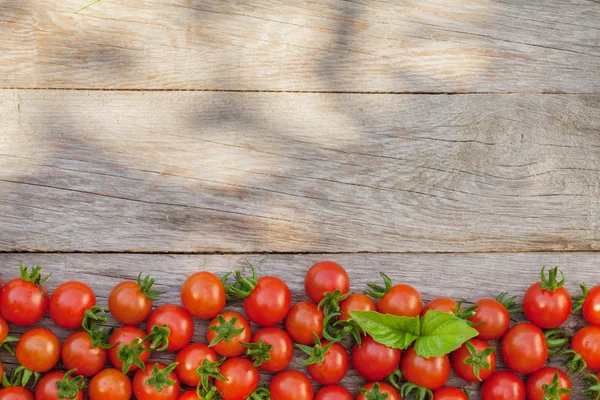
456,275
325,45
254,172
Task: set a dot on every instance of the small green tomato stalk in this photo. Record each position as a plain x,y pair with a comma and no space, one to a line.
374,393
557,340
334,329
98,335
376,291
207,370
551,283
225,330
160,377
395,378
553,390
478,359
158,338
260,393
258,352
418,392
35,277
574,363
69,388
465,313
509,303
5,344
146,287
242,287
592,391
129,355
20,376
316,354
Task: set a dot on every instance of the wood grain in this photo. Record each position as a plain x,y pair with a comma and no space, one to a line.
470,276
274,172
323,45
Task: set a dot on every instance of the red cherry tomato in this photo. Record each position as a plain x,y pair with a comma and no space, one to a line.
78,353
302,320
323,277
131,302
203,295
449,393
466,370
524,348
444,304
591,306
334,366
38,350
143,390
110,384
241,378
503,385
69,302
586,342
374,361
178,320
122,336
189,359
356,302
24,301
547,304
544,376
291,385
15,393
282,352
229,346
431,373
402,300
333,392
269,302
491,319
47,389
189,395
381,388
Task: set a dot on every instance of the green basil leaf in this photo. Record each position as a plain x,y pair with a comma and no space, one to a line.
442,333
390,330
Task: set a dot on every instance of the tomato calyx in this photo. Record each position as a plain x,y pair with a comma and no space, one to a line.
5,344
509,303
466,313
574,362
377,291
146,287
331,302
418,392
34,277
158,337
129,355
336,330
225,330
593,389
69,388
242,287
258,352
316,354
98,335
395,379
160,377
207,370
374,393
580,300
478,359
260,393
207,394
557,341
553,390
20,376
551,283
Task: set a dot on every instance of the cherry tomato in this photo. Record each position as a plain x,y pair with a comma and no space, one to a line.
333,392
524,348
431,373
269,302
323,277
142,390
122,336
131,302
69,302
542,377
110,384
356,302
189,359
586,342
374,361
290,385
77,353
379,387
179,321
444,304
491,319
503,385
466,370
401,300
591,306
203,295
241,378
449,393
47,388
38,350
24,301
15,393
302,320
282,352
188,395
547,304
229,346
334,366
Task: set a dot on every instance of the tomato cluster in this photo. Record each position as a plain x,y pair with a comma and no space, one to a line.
115,362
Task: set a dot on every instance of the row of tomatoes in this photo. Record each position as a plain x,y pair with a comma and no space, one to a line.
267,302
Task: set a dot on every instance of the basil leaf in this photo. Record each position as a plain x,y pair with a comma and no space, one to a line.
442,333
387,329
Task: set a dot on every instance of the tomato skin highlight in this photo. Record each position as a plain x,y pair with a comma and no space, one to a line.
586,342
333,392
431,373
547,309
38,350
241,378
203,295
23,303
190,358
128,304
69,302
179,322
123,336
142,391
46,387
449,393
269,302
325,276
374,361
465,371
334,366
302,320
503,385
444,304
523,348
290,385
392,394
77,353
234,347
283,348
491,319
591,306
544,376
110,384
16,393
402,300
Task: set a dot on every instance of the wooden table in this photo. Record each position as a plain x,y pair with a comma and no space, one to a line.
453,144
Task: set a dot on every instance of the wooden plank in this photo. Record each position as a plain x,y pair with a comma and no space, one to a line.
470,276
323,45
254,172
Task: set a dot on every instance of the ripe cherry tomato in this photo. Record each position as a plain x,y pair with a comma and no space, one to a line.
374,361
333,392
48,387
24,301
524,348
241,378
444,304
78,353
131,302
302,320
356,302
38,350
110,384
179,322
547,304
544,376
491,319
142,390
69,302
269,302
291,385
431,373
188,395
334,366
15,393
449,393
381,388
123,336
503,385
220,328
189,359
203,295
586,342
591,306
282,352
402,300
323,277
476,370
